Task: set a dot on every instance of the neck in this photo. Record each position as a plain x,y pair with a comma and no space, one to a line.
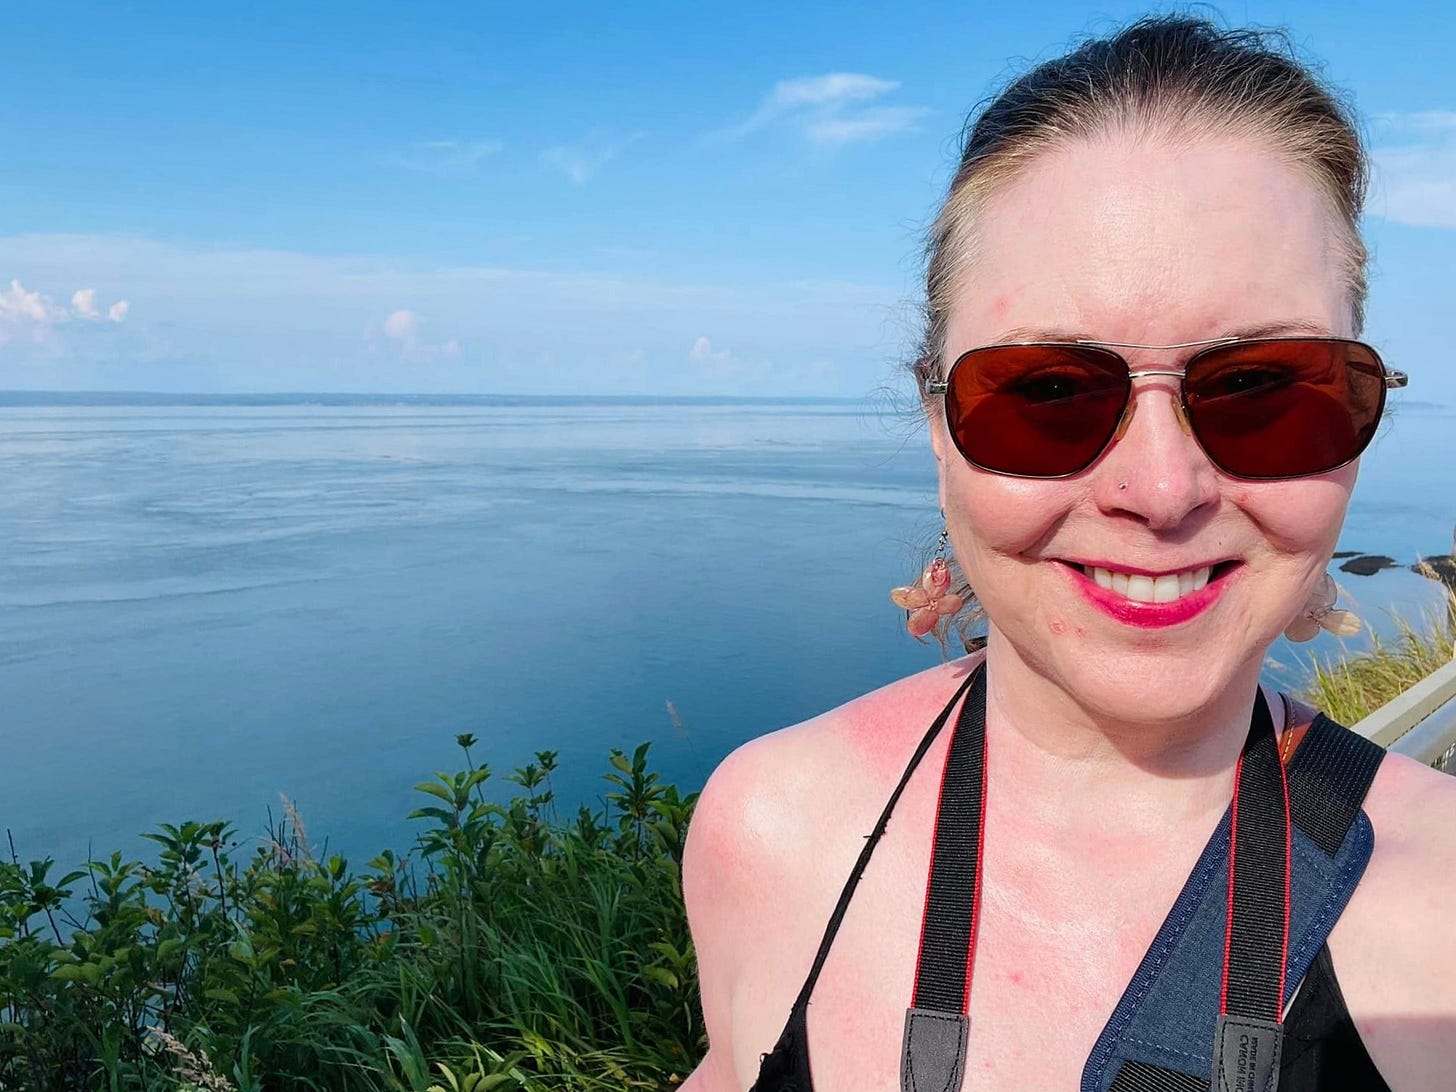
1076,764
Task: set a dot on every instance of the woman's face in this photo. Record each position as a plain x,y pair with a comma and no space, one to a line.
1145,241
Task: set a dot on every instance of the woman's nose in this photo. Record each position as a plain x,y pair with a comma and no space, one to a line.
1156,470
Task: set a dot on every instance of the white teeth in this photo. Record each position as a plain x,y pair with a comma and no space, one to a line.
1151,589
1165,589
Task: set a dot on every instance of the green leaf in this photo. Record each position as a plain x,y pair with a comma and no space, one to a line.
481,811
89,973
442,814
483,1082
435,788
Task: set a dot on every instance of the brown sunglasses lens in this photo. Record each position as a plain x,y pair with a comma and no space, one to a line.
1285,407
1040,411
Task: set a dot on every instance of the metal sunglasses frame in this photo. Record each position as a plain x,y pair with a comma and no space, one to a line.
1393,380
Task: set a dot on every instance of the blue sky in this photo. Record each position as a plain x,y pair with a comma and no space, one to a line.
568,198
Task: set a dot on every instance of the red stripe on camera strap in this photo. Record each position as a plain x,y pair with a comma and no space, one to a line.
1256,937
1249,1033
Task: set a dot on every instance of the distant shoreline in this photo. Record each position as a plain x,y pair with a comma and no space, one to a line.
61,399
324,398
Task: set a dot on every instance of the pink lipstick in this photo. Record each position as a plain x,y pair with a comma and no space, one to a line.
1134,612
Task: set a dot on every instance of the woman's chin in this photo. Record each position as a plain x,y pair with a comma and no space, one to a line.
1158,685
1153,688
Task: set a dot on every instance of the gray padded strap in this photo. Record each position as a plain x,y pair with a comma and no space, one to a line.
933,1055
1246,1055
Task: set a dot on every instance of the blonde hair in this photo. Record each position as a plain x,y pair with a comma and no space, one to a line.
1172,75
1176,77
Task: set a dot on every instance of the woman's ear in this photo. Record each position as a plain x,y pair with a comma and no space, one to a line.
940,444
938,439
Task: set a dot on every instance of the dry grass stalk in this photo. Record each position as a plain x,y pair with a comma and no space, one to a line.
1354,687
194,1071
300,832
289,843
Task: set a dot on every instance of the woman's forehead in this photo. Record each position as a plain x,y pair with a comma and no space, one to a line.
1151,241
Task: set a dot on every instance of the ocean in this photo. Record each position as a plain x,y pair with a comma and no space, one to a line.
207,604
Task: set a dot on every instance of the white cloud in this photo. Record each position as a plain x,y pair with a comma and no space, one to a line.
28,316
836,87
721,366
1415,168
83,303
17,305
830,111
583,159
446,157
402,328
400,325
231,319
703,352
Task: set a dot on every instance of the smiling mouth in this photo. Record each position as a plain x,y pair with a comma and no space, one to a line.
1142,587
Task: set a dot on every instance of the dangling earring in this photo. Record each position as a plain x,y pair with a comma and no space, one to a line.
1319,613
930,598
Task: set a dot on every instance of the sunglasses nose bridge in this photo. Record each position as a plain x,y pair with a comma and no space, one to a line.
1180,410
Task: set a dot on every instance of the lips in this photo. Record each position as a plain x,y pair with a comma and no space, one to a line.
1151,599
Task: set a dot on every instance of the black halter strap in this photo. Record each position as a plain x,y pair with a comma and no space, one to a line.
1248,1034
872,839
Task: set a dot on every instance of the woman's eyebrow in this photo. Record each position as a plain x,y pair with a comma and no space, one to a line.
1264,329
1040,333
1283,327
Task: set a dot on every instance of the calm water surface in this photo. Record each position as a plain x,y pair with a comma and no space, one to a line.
202,607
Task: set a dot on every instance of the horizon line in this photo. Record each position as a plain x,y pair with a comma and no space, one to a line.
13,396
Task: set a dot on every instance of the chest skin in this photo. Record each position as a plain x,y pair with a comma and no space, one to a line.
1064,924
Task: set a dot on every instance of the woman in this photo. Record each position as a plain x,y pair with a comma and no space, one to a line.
1142,499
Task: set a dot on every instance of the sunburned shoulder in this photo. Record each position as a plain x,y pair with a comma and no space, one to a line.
756,854
769,796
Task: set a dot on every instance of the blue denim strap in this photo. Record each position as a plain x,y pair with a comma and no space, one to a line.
1161,1035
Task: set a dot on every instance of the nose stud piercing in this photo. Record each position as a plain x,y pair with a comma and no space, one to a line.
1121,485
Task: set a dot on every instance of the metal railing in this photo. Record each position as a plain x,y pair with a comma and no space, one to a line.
1421,722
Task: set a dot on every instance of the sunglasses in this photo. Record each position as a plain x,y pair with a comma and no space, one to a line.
1262,408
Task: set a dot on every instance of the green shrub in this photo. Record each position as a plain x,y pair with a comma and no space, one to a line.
509,950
